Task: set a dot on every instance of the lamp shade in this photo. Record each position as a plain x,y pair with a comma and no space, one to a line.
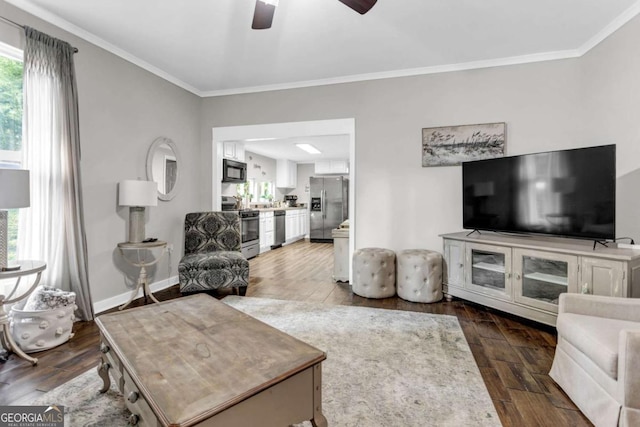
14,188
138,193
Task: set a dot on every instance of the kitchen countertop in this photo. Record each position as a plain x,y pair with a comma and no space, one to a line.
281,209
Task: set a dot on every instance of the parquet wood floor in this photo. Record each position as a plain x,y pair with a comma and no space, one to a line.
514,355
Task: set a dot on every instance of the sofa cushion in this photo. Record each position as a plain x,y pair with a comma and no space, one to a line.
596,337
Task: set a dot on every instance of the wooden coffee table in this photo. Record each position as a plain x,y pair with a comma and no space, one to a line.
197,361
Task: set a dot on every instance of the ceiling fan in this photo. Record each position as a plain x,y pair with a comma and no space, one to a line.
263,14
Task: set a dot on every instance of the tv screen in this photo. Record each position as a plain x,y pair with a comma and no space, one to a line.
569,193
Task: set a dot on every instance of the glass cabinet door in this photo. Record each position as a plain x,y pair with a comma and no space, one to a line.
541,277
488,270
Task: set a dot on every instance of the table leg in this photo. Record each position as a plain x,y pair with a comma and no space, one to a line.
103,372
133,295
146,290
12,346
319,419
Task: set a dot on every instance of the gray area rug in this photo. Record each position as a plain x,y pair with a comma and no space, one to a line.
384,368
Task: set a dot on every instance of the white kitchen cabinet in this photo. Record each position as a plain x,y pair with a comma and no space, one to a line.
233,150
286,174
266,231
526,275
295,228
331,167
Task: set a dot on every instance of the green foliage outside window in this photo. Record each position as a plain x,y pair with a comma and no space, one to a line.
11,129
10,104
266,191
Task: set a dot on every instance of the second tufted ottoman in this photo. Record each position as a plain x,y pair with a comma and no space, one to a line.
374,273
420,275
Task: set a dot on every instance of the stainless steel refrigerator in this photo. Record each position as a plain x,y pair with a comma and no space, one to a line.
329,206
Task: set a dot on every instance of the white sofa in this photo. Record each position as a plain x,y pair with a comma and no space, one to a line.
597,359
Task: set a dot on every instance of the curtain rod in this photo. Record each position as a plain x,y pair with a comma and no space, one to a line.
15,24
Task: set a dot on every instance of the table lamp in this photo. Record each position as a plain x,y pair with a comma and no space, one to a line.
137,195
14,193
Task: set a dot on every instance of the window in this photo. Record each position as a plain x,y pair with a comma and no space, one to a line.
265,193
256,192
11,125
247,190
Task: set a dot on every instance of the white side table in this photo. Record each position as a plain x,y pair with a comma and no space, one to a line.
27,268
142,250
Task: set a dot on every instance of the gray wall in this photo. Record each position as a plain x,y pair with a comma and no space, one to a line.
305,171
611,101
547,106
399,204
122,110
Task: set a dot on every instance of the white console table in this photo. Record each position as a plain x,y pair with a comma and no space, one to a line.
27,268
141,251
524,275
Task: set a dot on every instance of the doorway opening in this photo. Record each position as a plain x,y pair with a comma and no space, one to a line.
294,131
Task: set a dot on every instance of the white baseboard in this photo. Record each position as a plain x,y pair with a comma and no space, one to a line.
106,304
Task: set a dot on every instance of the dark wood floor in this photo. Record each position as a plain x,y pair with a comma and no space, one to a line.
514,355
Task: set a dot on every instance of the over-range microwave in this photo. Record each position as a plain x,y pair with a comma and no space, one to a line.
234,172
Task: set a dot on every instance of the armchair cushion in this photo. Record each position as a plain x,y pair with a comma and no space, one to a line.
597,355
213,270
596,337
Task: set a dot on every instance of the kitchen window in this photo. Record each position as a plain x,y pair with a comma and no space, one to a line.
265,192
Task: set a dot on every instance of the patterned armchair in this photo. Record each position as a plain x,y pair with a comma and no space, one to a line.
212,258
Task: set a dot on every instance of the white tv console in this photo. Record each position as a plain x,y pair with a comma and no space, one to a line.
525,275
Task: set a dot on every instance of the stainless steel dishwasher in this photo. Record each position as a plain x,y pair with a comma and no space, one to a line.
279,229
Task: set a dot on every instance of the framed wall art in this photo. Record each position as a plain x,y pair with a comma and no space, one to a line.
452,145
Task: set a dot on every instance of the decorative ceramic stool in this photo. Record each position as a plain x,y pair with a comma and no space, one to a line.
420,275
374,273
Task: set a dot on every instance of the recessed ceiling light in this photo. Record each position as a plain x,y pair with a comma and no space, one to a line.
308,148
259,139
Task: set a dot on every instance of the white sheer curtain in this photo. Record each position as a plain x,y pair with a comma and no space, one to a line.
52,229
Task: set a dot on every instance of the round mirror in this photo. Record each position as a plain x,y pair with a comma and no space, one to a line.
162,167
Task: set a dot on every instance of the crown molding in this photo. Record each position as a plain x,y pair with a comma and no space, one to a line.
93,39
612,27
500,62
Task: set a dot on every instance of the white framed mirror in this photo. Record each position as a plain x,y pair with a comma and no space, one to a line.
162,167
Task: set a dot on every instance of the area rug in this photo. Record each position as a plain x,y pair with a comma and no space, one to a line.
384,368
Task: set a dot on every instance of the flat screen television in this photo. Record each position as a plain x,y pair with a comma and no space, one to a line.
569,193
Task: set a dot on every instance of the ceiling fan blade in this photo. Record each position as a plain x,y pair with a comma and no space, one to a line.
263,15
360,6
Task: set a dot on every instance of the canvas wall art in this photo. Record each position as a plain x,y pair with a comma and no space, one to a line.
452,145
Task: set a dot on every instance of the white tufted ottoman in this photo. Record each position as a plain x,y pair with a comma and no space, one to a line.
374,273
420,275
